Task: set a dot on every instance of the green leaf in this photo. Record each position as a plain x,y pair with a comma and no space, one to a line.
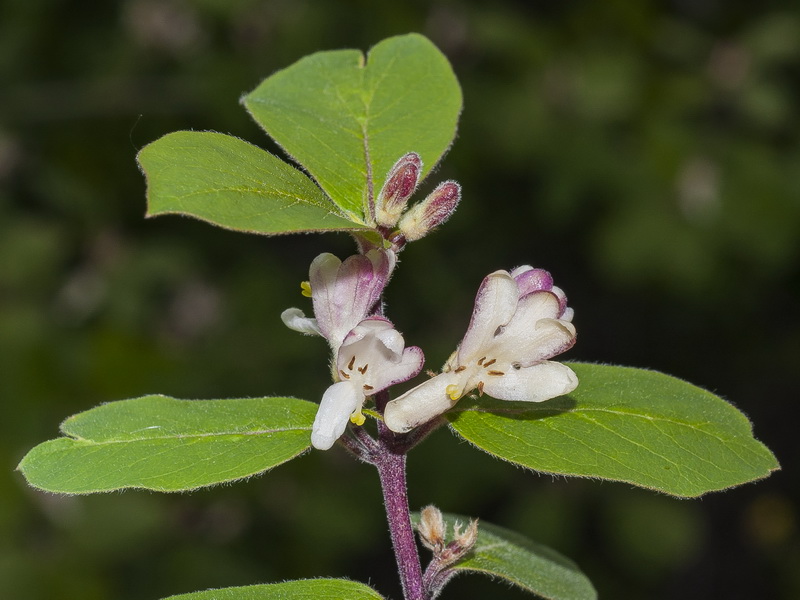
631,425
228,182
164,444
503,553
347,120
308,589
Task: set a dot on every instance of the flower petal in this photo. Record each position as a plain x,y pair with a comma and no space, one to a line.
422,403
337,404
562,300
534,334
494,307
343,293
386,334
363,277
371,326
536,383
532,280
388,374
294,318
322,275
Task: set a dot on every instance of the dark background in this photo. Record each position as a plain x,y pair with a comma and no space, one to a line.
646,153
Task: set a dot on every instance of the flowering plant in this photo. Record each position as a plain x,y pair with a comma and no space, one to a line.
368,132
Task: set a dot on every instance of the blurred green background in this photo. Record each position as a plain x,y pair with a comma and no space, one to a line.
646,153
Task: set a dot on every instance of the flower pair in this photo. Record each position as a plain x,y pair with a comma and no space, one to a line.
520,320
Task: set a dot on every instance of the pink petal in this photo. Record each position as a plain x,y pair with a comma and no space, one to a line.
532,280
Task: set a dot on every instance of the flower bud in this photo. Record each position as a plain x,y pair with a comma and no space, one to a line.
466,540
401,182
431,212
432,529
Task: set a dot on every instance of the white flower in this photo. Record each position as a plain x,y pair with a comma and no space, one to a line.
519,321
371,358
343,293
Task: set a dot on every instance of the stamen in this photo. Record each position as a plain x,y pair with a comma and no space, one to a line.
351,363
480,388
357,418
483,358
363,369
489,363
453,391
368,387
305,288
343,374
459,369
496,373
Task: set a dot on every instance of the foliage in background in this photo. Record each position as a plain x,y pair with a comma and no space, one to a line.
661,141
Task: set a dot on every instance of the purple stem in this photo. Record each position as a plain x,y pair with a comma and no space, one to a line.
391,467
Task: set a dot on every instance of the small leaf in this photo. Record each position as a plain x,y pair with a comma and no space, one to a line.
347,119
535,568
307,589
625,424
228,182
164,444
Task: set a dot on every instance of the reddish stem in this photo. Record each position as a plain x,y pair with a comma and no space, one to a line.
391,467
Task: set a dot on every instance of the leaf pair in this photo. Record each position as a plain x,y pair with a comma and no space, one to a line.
622,424
345,119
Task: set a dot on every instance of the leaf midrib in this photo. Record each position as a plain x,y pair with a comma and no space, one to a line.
78,438
577,411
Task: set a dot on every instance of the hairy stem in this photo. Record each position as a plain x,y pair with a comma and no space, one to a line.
391,466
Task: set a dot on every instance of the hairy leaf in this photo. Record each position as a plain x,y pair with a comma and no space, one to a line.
535,568
347,119
625,424
164,444
308,589
228,182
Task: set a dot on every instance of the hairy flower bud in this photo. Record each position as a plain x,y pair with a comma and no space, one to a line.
400,184
432,529
431,212
464,541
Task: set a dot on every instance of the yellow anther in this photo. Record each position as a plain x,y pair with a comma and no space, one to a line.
453,391
357,418
305,288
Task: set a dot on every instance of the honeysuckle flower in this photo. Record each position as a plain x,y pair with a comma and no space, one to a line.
343,294
520,320
371,358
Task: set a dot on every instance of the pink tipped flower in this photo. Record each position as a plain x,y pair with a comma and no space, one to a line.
425,216
520,320
398,188
371,358
343,293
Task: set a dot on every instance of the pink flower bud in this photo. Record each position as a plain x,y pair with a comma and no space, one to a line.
398,188
431,212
